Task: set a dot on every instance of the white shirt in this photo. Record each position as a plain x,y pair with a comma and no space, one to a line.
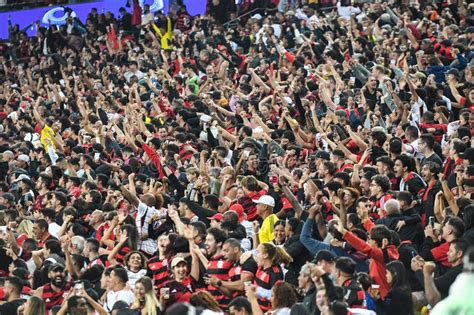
145,215
346,12
112,297
134,276
53,229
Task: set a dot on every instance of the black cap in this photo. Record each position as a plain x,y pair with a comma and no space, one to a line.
468,154
320,154
454,72
324,255
55,266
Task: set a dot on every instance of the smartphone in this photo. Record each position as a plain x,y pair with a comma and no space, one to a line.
96,156
431,221
352,80
166,293
78,286
246,154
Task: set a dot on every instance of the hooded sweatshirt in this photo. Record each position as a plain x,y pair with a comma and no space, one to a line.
377,263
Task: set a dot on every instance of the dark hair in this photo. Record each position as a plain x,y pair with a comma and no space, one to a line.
54,246
379,137
386,160
43,224
433,167
241,303
219,235
361,199
468,216
17,283
428,139
405,196
412,131
407,161
379,232
212,201
73,301
460,245
283,295
399,275
132,236
458,226
121,273
363,280
346,265
382,181
233,243
331,168
94,244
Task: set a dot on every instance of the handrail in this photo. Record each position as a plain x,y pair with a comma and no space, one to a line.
241,16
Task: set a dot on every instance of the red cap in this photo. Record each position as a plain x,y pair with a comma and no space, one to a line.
217,217
237,208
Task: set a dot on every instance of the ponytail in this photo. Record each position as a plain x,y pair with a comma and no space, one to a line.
277,254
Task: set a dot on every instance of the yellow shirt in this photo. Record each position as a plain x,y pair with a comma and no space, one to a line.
166,38
47,133
266,234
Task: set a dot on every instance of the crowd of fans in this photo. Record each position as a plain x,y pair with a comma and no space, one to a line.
309,157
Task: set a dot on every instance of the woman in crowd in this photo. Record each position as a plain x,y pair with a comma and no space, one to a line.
398,299
144,298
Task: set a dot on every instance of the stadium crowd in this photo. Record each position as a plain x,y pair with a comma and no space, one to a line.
309,157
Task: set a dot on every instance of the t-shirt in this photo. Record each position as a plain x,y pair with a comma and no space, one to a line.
11,307
122,295
265,234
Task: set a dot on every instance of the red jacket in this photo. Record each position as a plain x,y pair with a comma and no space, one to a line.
377,270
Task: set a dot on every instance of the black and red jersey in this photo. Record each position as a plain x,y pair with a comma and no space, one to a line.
219,268
264,280
235,272
52,298
354,296
159,271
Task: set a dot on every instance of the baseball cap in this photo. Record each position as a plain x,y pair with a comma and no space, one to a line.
468,154
237,208
22,177
320,154
217,217
55,266
265,200
324,255
24,158
176,261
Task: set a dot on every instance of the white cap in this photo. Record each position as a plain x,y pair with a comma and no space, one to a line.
266,200
257,16
205,118
22,177
24,158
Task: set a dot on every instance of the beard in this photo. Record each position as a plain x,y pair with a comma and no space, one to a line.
58,281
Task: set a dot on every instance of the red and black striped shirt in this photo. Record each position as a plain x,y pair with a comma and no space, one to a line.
219,268
52,298
264,280
236,271
159,271
121,254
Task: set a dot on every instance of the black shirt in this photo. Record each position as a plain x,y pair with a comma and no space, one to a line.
10,308
433,158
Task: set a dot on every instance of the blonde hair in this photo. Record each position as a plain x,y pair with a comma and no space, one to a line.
26,227
151,302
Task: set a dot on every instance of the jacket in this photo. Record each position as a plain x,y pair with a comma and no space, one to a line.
377,270
314,246
300,255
